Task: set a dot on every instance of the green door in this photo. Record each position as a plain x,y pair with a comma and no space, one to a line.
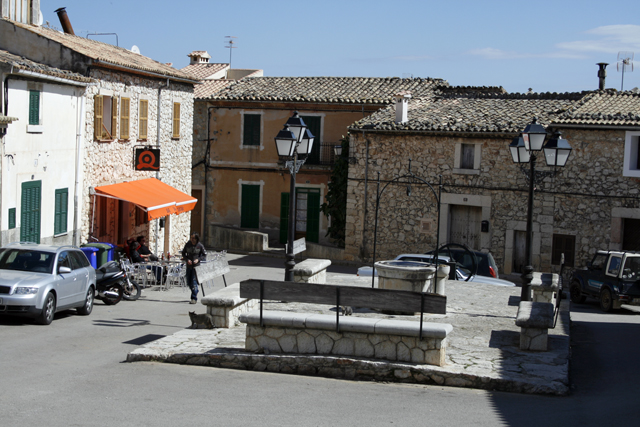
30,211
250,210
307,214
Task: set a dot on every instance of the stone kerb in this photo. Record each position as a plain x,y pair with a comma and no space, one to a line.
543,286
226,306
534,319
395,340
311,270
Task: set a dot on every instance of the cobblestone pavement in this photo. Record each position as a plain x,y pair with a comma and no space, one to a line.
482,351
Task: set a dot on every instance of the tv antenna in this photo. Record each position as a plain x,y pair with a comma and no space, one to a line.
625,63
230,45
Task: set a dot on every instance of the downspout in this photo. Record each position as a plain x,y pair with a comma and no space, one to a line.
366,186
79,151
158,171
207,157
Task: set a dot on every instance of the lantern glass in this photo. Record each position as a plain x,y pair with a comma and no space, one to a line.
286,142
304,149
533,136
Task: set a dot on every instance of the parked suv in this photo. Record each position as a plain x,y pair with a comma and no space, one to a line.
39,280
612,277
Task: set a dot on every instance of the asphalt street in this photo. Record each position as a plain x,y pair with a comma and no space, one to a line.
72,373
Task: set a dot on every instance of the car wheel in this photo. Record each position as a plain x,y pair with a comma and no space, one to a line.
606,301
576,293
48,310
86,309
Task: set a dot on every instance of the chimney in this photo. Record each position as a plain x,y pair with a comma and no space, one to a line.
602,74
64,21
402,106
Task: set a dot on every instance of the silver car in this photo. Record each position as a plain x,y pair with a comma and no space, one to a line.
39,280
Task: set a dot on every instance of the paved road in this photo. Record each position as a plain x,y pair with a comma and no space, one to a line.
71,373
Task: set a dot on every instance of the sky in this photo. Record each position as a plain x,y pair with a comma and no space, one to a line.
548,46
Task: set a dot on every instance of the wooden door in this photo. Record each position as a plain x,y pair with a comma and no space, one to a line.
464,225
197,212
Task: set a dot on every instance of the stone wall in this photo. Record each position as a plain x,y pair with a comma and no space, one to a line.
112,162
579,201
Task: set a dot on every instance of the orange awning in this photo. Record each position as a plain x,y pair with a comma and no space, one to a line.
152,195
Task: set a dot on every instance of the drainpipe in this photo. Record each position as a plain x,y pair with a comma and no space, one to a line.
79,151
207,157
159,119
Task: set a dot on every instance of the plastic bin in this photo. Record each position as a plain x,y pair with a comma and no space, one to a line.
92,255
105,252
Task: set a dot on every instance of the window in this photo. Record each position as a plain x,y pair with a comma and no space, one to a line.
251,131
12,218
632,155
124,118
176,120
614,266
105,117
61,209
144,119
563,244
466,159
34,107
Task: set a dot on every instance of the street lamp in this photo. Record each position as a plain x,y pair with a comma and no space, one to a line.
294,143
524,149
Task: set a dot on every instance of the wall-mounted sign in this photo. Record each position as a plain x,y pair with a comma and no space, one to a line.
147,159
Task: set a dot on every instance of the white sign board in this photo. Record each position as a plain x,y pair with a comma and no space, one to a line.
299,245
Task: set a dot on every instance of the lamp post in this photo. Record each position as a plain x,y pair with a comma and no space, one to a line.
294,143
524,149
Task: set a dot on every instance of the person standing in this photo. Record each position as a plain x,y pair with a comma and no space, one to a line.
193,253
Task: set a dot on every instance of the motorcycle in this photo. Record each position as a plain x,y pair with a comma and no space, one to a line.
113,284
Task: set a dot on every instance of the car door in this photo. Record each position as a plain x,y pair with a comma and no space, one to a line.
82,276
66,283
596,276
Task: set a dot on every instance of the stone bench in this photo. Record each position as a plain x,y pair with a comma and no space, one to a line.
308,333
225,305
534,319
311,270
544,285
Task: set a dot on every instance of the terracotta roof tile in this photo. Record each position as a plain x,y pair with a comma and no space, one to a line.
28,65
106,53
210,87
344,90
202,71
604,108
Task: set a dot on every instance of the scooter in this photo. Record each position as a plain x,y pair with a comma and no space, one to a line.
110,280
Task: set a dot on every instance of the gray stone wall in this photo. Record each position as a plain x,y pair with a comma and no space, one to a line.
112,162
578,201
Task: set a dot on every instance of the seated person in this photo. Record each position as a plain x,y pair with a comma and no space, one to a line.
144,250
137,258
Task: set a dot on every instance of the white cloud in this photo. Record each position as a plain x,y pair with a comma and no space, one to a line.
612,39
492,53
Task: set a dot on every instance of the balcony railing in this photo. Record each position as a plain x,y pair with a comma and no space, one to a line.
322,154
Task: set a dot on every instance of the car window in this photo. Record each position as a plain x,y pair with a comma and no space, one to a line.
80,258
631,269
614,265
26,260
63,260
75,263
598,261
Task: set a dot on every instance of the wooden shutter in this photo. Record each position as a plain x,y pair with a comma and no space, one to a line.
124,118
467,156
250,215
34,107
313,217
12,218
176,120
284,217
30,212
251,131
143,114
114,118
97,116
61,209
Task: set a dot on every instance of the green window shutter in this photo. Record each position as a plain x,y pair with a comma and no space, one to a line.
30,211
251,132
34,107
313,217
12,218
250,214
61,208
284,217
314,124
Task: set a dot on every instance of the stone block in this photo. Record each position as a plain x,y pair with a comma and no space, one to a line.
385,350
344,346
363,348
288,343
324,344
306,343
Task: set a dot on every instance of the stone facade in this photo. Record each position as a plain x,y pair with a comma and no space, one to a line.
110,162
587,199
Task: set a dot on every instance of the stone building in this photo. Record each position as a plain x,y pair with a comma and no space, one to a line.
463,135
135,103
245,185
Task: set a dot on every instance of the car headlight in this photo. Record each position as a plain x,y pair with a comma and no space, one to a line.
22,290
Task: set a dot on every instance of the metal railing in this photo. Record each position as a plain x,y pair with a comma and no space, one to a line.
322,154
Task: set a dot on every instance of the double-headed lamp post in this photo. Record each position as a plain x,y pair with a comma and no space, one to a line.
524,149
294,143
